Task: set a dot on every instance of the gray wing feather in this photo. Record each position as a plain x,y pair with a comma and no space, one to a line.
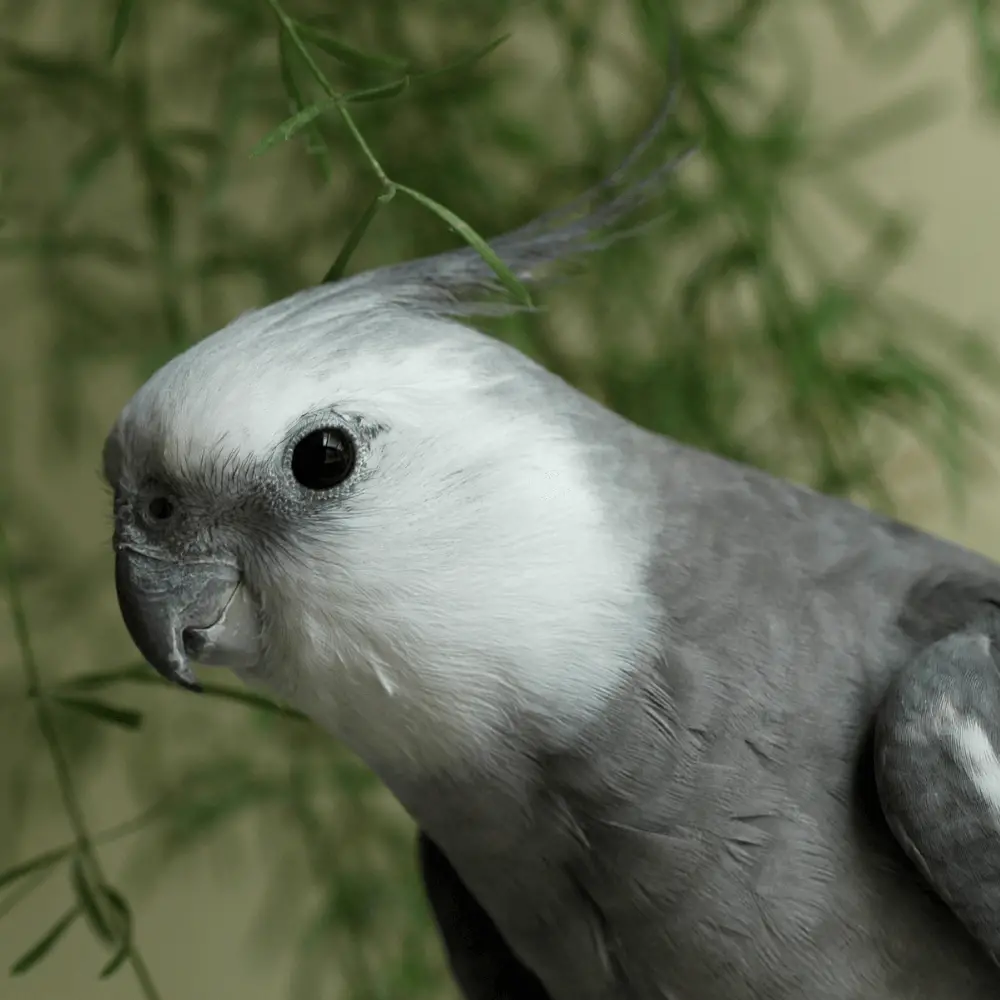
937,768
481,961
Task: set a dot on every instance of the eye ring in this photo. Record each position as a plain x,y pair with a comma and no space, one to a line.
323,458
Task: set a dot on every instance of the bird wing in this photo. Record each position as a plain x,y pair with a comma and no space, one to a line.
481,961
937,770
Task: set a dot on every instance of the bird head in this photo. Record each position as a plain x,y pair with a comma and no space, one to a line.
391,520
398,524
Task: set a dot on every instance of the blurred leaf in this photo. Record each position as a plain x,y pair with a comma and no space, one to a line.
86,895
209,796
126,718
876,129
381,93
317,146
852,20
355,236
38,863
45,944
347,54
142,674
11,900
87,164
986,31
911,33
117,960
71,84
119,27
464,61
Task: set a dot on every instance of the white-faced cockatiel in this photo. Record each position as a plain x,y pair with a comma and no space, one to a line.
670,728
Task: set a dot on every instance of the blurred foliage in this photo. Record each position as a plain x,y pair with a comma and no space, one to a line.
169,164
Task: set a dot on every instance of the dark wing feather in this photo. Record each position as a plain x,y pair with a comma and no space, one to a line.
483,965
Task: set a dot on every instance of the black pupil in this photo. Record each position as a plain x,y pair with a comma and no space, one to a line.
160,508
322,459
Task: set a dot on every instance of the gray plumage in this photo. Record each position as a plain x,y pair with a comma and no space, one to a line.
671,729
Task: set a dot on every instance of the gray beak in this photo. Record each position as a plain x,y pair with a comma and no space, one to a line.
178,611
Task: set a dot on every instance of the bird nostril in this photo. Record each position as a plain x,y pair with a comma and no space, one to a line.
160,508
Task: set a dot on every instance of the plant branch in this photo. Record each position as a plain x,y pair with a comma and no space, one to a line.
82,843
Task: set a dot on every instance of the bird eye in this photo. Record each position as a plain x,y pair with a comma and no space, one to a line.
160,508
323,458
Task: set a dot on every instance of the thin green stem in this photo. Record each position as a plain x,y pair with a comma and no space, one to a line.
49,860
288,25
82,841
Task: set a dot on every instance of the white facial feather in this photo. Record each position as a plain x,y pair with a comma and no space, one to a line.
479,572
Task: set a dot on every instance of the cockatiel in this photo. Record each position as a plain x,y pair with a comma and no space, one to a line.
670,728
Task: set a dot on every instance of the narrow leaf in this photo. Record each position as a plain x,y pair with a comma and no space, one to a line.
34,864
107,678
44,945
463,61
127,718
503,272
86,895
87,164
144,675
874,130
123,932
378,93
347,54
294,124
123,13
13,899
285,56
338,267
316,144
116,961
56,72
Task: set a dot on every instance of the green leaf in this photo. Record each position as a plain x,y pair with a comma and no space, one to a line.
116,961
87,897
294,124
852,20
44,945
144,675
338,267
34,864
316,146
127,718
347,54
124,913
873,130
26,887
123,13
463,61
377,93
502,271
87,164
140,673
55,72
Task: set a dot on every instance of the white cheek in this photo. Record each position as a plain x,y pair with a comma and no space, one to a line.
468,589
